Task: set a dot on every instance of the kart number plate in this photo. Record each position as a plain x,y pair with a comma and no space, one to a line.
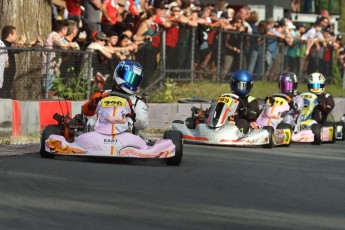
225,100
113,101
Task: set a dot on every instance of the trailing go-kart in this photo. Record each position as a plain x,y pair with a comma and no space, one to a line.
73,136
216,126
308,130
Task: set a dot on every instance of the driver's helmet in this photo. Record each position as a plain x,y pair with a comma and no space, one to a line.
288,83
128,75
241,83
316,83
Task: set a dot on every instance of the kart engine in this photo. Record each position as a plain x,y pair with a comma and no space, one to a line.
71,127
199,116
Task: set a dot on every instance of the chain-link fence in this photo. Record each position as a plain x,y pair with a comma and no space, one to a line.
197,58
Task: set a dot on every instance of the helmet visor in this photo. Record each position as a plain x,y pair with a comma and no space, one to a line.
132,80
242,85
287,87
316,86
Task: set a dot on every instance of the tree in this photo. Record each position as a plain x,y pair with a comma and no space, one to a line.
32,18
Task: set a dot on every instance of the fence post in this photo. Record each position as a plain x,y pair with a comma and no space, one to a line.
264,57
45,77
89,72
219,57
242,51
192,56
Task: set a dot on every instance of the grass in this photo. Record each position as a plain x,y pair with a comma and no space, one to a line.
207,90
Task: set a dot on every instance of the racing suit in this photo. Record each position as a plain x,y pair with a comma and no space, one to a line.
296,107
247,113
139,119
325,107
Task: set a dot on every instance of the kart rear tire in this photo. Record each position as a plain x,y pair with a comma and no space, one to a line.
270,131
47,131
317,129
285,126
342,125
176,137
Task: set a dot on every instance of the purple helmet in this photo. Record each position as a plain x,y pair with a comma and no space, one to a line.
288,83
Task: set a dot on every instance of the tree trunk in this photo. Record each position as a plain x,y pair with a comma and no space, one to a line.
31,18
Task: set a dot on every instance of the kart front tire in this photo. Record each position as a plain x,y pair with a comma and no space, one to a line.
176,137
317,129
47,131
285,126
270,131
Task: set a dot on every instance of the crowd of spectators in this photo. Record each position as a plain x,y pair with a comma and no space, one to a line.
129,29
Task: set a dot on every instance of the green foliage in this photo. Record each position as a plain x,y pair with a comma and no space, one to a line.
74,87
170,93
336,78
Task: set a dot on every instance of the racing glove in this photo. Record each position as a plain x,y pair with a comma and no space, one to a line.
244,111
93,103
132,116
322,104
293,105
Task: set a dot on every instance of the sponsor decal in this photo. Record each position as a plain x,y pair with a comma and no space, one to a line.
109,141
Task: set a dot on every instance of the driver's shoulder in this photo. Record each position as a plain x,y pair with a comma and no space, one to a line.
251,99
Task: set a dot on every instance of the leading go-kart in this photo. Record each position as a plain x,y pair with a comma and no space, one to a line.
72,136
216,126
308,130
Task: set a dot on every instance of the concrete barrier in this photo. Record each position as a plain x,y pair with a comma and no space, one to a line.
27,117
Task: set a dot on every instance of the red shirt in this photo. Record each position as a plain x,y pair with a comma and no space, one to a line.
111,8
156,40
73,7
172,35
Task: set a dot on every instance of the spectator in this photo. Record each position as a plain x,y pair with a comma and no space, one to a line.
74,10
9,38
109,16
253,41
232,46
91,16
3,62
124,43
70,59
259,67
145,55
100,59
172,36
51,60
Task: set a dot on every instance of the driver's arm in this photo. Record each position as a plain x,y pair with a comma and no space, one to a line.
253,109
89,107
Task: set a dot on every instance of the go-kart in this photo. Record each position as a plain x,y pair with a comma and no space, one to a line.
308,130
73,136
216,126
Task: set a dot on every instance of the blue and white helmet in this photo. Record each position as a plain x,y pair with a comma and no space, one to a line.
241,83
128,75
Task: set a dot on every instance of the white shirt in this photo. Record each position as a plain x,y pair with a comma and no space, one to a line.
3,62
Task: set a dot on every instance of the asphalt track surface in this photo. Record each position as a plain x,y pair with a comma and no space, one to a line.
299,187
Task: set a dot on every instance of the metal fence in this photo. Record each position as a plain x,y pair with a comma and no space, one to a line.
194,58
255,57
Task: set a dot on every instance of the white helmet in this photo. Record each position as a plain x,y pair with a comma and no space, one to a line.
128,75
316,83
